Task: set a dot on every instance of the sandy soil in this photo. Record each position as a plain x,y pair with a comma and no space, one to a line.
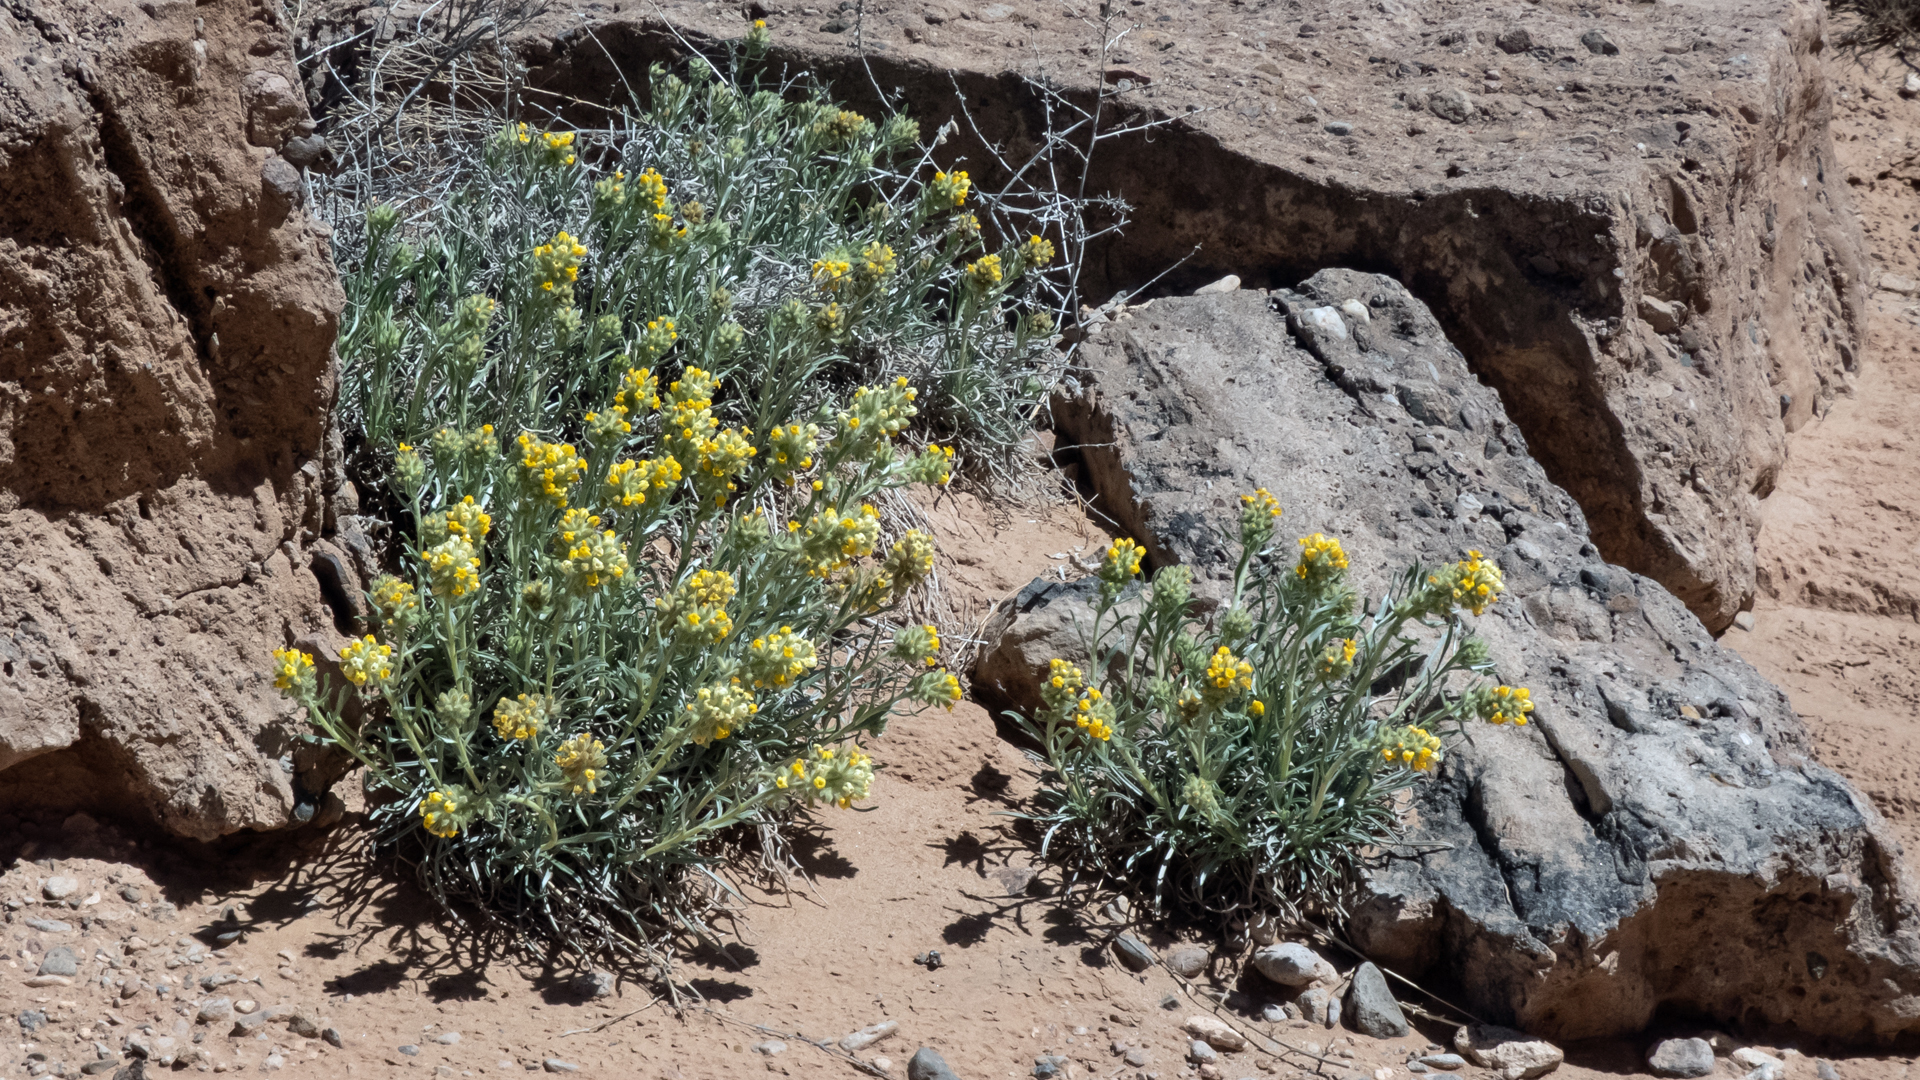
1839,553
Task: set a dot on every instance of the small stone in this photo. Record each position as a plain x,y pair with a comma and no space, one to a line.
884,1064
1371,1006
1894,283
555,1065
1134,954
447,1038
303,150
1514,41
1416,1067
1825,1070
1453,106
49,980
770,1047
274,1061
1274,1012
1135,1057
333,1038
215,1009
1749,1058
867,1036
1597,44
304,1023
1312,1004
1045,1068
927,1064
1681,1057
1230,283
1513,1054
1188,961
131,894
59,887
596,984
1200,1053
410,1050
1912,86
1214,1033
32,1020
1333,1011
1743,620
50,926
1337,127
1290,963
245,1006
59,961
1448,1062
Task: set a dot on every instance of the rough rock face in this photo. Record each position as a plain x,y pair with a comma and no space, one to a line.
1631,225
167,314
1660,837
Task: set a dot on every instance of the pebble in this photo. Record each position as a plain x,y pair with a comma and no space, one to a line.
1188,961
447,1038
884,1064
214,1009
1912,85
1375,1012
245,1006
1597,44
1135,1057
59,887
867,1036
50,926
59,961
1448,1062
1230,283
274,1061
770,1047
597,984
1214,1033
1200,1053
32,1020
1416,1066
333,1038
1133,953
1290,963
410,1050
1823,1068
49,980
1337,127
1274,1012
131,894
1681,1058
555,1065
1045,1068
927,1064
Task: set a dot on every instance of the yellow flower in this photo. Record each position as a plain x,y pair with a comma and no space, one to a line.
948,191
1412,747
779,658
1258,514
877,413
1337,660
876,262
1120,565
909,561
556,148
582,759
465,518
652,188
831,539
549,469
984,273
523,717
697,609
791,447
1321,560
556,265
831,273
445,812
1227,674
639,388
293,673
917,644
717,710
843,127
628,482
936,687
366,661
1474,582
394,602
934,465
1256,707
591,557
837,777
1507,705
1037,251
453,567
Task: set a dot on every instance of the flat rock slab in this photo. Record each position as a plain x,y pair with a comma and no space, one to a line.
1660,834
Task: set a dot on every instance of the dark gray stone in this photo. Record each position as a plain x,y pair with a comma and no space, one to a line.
1045,1068
927,1064
1514,41
60,960
1337,127
50,926
1371,1008
1597,44
1681,1057
32,1020
1188,961
410,1050
1628,801
1133,953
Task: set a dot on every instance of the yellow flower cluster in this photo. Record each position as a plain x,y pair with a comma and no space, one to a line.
394,602
984,273
1337,660
876,262
659,337
639,389
831,273
650,186
477,445
842,128
1037,251
698,608
879,412
1412,747
828,775
409,466
909,561
444,812
716,710
665,233
549,469
581,760
522,717
366,661
831,539
722,456
1227,674
1474,582
1067,697
1259,513
610,192
453,566
791,447
917,644
832,320
1120,565
628,482
687,422
1507,705
779,658
591,556
556,148
556,265
465,518
932,466
293,673
1321,560
948,190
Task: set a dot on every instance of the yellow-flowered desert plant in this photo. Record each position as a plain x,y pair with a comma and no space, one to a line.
1250,756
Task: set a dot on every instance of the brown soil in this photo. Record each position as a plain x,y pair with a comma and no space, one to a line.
1839,554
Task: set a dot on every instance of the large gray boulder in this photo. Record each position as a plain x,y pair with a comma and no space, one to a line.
1661,836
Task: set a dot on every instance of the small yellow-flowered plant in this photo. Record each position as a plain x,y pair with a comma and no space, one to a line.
832,273
395,604
293,673
948,190
1507,705
910,560
1259,514
832,320
843,127
1037,251
630,482
836,777
876,262
1336,661
522,717
936,687
722,457
878,413
1322,560
445,812
650,187
984,273
556,264
465,518
698,608
556,148
1121,565
549,470
716,711
1227,674
581,760
453,566
932,466
1474,582
590,556
639,389
831,539
367,663
1412,747
917,644
790,448
776,660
